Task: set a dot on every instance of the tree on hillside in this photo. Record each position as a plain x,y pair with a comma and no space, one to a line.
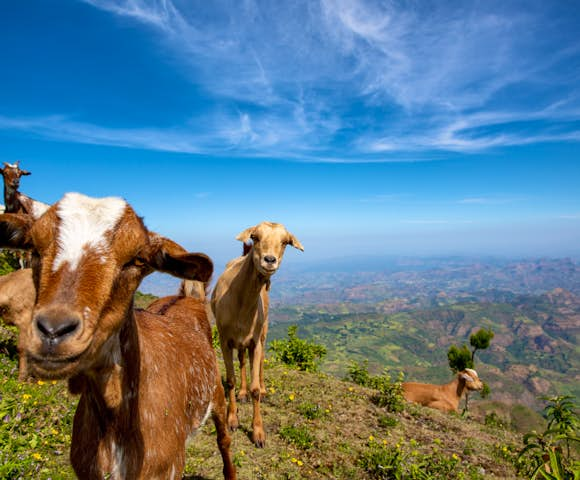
459,358
462,358
480,340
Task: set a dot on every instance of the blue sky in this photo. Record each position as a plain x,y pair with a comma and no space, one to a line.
365,127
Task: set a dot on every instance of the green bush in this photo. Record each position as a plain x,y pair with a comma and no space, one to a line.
298,436
311,411
398,462
390,393
553,454
8,261
298,353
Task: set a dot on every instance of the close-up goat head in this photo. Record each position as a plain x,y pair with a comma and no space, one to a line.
269,243
89,256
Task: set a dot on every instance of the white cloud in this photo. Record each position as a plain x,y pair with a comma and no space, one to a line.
375,81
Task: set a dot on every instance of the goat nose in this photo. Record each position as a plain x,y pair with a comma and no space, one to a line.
270,259
55,329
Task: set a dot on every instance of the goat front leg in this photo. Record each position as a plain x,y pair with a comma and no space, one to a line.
243,393
228,355
258,433
224,439
263,390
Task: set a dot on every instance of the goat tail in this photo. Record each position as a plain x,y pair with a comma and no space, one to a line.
194,289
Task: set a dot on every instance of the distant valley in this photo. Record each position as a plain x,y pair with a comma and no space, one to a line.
404,315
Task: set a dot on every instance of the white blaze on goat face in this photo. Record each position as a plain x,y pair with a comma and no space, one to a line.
84,224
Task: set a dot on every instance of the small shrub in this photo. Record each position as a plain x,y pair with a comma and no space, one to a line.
299,436
298,353
388,421
311,411
390,393
8,261
492,419
550,455
382,462
386,462
359,374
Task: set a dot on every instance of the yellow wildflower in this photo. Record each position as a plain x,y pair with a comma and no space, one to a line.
40,382
350,389
36,456
291,397
293,459
26,396
299,463
454,456
54,431
371,438
272,390
53,382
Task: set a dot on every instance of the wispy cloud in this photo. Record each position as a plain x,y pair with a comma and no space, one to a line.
436,222
491,200
354,80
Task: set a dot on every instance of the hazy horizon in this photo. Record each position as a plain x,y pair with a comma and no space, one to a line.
365,127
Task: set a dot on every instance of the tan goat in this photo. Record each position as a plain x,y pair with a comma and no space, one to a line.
443,397
147,378
17,296
240,305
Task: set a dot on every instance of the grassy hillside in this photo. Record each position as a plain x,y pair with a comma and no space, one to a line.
318,427
534,351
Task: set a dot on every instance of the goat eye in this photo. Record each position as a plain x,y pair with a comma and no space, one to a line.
254,238
135,262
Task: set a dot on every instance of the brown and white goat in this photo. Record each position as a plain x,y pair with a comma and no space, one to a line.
240,305
147,379
17,297
15,201
443,397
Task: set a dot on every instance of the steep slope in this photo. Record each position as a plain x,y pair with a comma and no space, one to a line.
318,427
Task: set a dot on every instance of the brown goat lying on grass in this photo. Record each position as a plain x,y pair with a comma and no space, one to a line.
443,397
240,305
147,378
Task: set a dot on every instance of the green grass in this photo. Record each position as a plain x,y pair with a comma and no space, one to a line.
318,427
35,426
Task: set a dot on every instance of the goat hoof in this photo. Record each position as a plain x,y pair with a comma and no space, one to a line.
233,424
242,398
259,439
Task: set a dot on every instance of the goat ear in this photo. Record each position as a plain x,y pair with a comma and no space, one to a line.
167,256
466,377
245,235
24,172
14,229
295,242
